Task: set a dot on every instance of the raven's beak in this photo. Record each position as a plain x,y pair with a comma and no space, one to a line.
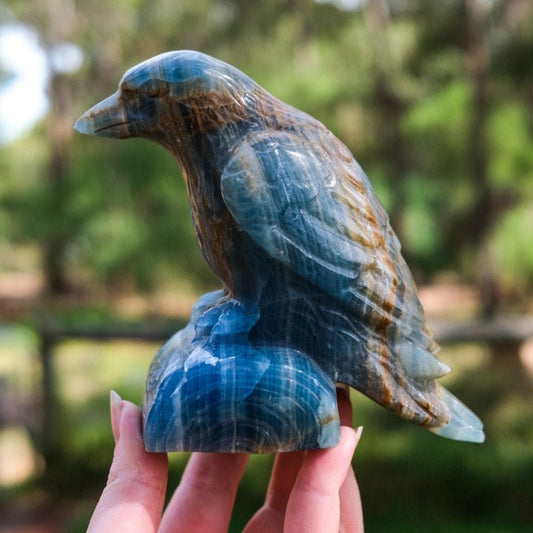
105,119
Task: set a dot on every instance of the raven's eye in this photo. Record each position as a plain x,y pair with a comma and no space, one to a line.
155,91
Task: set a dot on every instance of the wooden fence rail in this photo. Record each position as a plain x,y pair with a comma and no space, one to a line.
512,329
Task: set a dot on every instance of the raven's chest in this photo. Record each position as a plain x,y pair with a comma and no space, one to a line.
229,251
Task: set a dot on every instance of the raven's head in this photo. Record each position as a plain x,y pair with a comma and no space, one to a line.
159,96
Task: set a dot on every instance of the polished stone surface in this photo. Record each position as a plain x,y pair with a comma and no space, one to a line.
315,289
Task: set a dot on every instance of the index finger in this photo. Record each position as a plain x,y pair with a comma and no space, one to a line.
204,498
351,509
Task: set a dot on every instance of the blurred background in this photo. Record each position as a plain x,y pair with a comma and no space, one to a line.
98,262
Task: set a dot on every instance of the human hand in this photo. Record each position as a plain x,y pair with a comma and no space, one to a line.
313,491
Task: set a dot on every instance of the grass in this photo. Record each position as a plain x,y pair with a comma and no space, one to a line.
410,480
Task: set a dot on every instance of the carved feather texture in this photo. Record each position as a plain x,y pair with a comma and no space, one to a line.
316,290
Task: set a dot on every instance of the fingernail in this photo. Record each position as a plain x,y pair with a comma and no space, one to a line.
358,432
114,399
115,403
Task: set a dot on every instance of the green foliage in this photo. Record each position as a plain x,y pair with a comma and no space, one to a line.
397,85
136,219
422,235
511,245
511,144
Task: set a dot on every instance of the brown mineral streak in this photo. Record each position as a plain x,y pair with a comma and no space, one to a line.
384,321
356,188
386,375
327,419
212,110
355,200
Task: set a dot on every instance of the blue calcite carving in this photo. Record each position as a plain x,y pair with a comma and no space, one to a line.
224,393
315,289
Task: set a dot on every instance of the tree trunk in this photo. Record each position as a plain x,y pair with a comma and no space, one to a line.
390,109
482,211
59,138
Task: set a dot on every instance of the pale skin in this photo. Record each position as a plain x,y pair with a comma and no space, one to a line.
309,492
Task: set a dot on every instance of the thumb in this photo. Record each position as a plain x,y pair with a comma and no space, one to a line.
134,496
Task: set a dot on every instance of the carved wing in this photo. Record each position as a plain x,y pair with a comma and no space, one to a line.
309,205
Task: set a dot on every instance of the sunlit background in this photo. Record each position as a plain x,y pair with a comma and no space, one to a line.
98,262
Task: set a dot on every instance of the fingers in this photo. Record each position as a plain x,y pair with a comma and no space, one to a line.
345,501
345,406
314,504
314,491
270,518
351,509
204,498
134,496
